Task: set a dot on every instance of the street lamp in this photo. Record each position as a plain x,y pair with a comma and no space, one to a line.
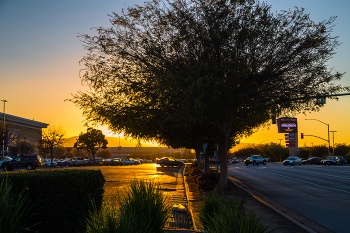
333,140
329,153
3,133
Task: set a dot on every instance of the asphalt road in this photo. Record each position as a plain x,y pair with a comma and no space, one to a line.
319,193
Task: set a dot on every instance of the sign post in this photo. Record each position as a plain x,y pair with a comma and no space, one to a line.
289,126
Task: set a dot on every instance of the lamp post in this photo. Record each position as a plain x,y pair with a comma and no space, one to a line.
329,153
333,140
3,132
280,149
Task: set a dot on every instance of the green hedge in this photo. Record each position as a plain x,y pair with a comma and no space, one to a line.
62,198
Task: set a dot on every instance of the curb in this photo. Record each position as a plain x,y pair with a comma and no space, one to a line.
187,191
273,208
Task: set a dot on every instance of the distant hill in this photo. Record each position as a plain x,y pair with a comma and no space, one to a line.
112,142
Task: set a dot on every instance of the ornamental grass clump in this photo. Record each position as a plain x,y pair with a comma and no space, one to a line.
142,209
14,210
226,216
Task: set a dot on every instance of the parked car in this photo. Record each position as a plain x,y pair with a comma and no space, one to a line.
30,162
292,161
342,161
77,161
4,159
130,161
62,163
332,160
255,160
234,160
313,160
169,161
49,164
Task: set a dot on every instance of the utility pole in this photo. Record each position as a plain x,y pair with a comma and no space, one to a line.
3,131
333,141
280,149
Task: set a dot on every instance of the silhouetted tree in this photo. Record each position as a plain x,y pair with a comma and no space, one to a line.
91,141
227,65
24,147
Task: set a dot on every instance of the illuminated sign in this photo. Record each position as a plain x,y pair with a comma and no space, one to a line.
287,125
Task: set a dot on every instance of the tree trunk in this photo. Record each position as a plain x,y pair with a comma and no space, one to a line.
222,185
198,155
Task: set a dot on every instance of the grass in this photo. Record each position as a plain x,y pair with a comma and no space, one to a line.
142,209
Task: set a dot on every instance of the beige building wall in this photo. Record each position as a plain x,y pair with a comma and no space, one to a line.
22,129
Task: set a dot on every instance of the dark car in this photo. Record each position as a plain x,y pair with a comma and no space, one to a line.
342,161
292,161
313,160
332,160
30,162
169,161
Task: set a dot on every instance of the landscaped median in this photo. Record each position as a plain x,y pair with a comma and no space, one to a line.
215,211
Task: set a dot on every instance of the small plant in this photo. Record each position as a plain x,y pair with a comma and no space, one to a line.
142,209
14,210
226,216
196,171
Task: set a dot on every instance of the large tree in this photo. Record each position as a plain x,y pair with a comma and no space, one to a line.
91,141
223,65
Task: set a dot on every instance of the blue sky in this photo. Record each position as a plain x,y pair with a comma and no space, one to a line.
40,53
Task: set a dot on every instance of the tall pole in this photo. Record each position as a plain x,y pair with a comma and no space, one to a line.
333,141
329,143
3,132
280,149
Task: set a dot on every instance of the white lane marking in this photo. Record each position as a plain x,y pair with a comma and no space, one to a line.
291,178
342,177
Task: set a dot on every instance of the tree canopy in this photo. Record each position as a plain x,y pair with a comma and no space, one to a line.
224,67
91,141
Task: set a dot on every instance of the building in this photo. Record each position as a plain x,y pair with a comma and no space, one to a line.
21,129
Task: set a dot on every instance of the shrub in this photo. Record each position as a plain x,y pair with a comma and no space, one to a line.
63,195
15,209
195,171
142,209
207,181
221,215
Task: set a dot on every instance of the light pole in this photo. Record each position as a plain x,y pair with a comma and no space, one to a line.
333,140
329,153
280,149
3,132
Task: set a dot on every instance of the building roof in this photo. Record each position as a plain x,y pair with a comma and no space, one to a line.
19,121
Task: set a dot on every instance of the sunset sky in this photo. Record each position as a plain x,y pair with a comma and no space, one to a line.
40,54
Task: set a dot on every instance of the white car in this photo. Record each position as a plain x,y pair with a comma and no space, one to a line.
48,162
292,161
130,161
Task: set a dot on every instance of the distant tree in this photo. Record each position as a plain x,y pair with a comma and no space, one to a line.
24,147
78,152
91,141
341,149
60,151
104,153
246,152
319,151
52,136
305,153
226,66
